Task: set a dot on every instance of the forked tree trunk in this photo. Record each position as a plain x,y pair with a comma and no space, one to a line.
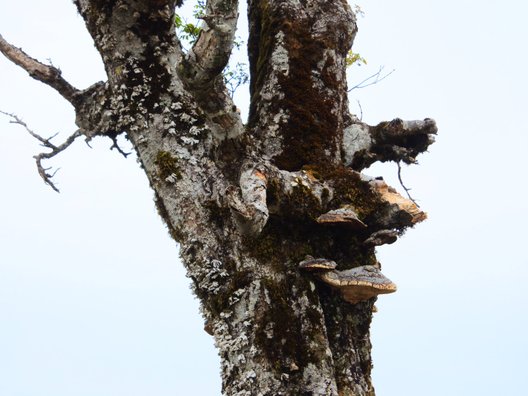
245,201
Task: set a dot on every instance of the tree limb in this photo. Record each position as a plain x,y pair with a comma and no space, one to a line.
210,54
395,140
43,172
47,74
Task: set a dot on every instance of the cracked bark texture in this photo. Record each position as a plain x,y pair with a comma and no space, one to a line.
243,200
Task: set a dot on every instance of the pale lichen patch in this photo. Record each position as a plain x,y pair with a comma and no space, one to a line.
356,137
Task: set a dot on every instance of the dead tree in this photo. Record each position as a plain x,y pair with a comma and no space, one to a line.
277,224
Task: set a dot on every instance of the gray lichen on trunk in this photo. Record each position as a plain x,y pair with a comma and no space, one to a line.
248,203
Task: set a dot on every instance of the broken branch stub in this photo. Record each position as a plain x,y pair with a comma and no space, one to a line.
248,203
395,140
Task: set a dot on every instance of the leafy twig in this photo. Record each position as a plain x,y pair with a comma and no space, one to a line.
234,77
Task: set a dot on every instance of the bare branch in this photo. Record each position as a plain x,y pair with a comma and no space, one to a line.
115,145
43,172
210,54
403,185
373,79
47,74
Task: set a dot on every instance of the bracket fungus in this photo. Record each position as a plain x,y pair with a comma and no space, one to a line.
401,204
360,283
381,237
342,216
356,284
319,264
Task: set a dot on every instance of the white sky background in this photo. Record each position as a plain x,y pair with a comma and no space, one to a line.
94,301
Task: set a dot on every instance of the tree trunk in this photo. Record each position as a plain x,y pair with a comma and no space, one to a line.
248,203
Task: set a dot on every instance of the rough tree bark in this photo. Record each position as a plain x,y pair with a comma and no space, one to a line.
249,202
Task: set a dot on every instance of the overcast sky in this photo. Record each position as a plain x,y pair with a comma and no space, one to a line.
93,298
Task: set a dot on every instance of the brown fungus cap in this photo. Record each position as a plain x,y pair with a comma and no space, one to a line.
390,195
319,264
359,284
382,237
342,216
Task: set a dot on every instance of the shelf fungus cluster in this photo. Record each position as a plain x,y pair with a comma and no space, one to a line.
247,201
355,284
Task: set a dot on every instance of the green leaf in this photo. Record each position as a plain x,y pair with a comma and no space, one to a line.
354,58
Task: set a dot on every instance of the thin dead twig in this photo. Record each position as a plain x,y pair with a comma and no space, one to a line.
360,110
373,79
403,185
45,142
115,145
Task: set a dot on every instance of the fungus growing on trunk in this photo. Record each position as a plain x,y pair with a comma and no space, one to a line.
401,205
244,200
319,264
358,284
342,216
381,237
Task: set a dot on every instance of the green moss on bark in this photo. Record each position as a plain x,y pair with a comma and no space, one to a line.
309,91
167,165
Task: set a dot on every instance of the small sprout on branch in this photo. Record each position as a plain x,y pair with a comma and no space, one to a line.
353,58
